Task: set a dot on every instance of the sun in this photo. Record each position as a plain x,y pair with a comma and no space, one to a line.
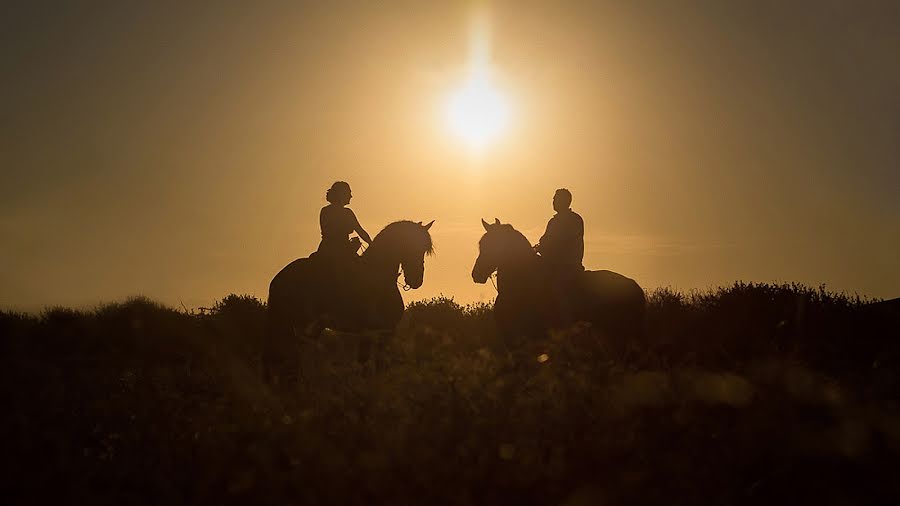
477,112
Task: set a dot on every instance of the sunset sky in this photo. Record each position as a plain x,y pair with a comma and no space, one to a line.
182,152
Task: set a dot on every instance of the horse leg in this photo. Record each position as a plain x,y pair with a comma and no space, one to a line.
310,325
293,329
313,328
279,352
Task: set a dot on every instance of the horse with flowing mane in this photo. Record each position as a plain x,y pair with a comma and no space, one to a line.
531,300
311,294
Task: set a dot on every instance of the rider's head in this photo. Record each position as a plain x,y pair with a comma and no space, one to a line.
339,193
562,199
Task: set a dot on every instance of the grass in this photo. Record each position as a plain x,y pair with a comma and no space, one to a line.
747,393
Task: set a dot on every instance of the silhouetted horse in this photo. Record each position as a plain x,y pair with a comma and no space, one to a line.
530,301
310,294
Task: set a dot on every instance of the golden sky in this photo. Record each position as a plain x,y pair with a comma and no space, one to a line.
182,151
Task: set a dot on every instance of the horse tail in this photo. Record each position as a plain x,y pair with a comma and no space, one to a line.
280,358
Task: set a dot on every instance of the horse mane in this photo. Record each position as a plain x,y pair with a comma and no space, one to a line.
404,231
511,235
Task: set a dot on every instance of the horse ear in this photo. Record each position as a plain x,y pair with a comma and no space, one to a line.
496,221
430,223
487,228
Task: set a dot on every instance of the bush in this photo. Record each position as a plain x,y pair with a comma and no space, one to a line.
753,392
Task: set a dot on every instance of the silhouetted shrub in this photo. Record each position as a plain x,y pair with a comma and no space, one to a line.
239,322
748,393
239,307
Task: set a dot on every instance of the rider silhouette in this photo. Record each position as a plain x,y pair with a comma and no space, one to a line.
337,252
562,250
562,245
337,223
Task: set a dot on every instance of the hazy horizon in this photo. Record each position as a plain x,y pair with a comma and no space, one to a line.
182,152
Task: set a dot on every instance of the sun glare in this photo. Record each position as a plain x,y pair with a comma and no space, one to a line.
477,113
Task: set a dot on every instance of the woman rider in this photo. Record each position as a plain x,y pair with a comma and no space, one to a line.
337,223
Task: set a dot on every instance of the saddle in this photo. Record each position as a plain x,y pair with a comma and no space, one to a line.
337,263
559,274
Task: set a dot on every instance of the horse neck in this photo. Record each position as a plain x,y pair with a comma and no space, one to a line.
519,267
382,258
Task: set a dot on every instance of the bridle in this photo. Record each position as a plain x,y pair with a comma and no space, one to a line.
405,286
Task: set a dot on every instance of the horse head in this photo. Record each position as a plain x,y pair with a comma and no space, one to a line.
412,261
500,246
404,245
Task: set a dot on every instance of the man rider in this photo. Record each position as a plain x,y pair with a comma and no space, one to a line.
562,245
562,250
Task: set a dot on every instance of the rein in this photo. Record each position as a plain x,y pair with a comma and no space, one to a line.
405,286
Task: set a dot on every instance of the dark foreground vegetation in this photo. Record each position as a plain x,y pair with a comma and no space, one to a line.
748,394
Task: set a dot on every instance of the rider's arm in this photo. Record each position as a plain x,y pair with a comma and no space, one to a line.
359,230
547,237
